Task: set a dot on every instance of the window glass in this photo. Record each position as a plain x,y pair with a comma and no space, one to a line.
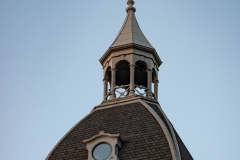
102,151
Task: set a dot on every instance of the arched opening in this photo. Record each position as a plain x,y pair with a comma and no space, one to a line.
108,75
140,74
107,84
123,73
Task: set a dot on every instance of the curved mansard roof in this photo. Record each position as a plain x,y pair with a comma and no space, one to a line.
143,136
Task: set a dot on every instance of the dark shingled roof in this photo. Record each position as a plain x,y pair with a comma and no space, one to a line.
143,137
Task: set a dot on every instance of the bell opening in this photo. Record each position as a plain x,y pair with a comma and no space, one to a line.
123,73
140,74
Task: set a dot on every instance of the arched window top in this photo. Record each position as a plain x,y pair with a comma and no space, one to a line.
140,73
107,74
123,73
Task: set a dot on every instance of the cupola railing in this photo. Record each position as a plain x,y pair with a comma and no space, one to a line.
139,90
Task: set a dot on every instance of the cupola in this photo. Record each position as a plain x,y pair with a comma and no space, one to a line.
130,65
129,123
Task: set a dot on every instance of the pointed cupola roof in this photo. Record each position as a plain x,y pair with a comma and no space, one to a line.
130,31
131,36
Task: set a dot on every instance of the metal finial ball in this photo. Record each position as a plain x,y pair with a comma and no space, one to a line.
130,6
130,2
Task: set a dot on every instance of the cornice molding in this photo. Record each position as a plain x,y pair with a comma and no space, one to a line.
101,135
124,100
131,46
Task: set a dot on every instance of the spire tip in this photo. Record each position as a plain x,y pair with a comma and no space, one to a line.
130,6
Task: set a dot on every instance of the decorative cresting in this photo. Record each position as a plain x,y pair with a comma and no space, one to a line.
103,146
130,65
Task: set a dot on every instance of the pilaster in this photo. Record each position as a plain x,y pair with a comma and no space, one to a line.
113,83
132,70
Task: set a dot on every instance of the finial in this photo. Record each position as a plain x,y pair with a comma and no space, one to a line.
130,6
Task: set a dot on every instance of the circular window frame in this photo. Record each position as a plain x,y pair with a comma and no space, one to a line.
98,144
111,139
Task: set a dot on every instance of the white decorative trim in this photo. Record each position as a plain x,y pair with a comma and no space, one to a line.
114,140
172,143
170,126
173,133
125,99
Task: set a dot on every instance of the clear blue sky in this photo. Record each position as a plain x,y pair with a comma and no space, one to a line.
50,76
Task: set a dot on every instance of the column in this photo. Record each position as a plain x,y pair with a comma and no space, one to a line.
156,89
113,79
149,84
131,85
105,88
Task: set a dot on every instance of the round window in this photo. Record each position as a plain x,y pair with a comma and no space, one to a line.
102,151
